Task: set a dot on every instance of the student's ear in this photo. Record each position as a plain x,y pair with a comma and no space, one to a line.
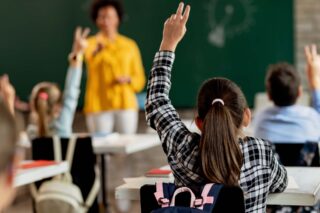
246,117
199,123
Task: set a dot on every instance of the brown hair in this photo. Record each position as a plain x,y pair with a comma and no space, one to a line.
8,135
44,97
283,82
221,157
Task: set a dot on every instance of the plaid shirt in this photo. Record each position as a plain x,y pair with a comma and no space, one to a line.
261,172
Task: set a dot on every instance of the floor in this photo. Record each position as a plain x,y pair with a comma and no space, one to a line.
120,166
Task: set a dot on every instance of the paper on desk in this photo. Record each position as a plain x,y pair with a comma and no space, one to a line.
292,184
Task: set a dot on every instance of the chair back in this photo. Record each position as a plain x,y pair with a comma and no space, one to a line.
298,154
84,160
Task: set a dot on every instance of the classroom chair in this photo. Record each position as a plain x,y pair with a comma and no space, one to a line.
298,154
230,199
83,166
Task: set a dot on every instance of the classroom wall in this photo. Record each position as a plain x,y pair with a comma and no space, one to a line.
307,30
52,62
230,38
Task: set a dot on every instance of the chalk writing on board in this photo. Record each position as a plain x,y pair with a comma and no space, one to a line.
229,18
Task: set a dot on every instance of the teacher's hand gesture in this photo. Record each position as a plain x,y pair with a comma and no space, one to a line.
175,28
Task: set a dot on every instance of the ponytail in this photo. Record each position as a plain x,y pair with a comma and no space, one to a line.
221,106
42,106
221,157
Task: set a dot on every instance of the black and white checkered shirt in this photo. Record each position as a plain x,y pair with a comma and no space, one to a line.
261,173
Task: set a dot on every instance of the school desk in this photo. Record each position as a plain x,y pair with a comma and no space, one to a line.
303,188
31,175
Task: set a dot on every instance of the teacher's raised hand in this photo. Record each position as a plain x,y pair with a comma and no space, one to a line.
175,28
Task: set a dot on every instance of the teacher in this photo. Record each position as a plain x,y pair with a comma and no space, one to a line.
115,73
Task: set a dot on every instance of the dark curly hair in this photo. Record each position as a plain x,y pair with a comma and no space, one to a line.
98,4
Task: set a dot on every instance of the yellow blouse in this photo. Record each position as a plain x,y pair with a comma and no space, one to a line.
117,59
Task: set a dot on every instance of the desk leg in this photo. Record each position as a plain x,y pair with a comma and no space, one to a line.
104,182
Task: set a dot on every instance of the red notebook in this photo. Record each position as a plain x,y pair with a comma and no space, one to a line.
37,163
159,173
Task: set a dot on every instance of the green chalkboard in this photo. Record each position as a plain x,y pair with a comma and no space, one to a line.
231,38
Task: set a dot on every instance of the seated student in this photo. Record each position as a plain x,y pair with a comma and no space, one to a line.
8,138
51,111
220,154
286,121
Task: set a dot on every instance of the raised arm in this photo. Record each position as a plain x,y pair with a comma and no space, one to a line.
160,113
313,74
72,84
7,92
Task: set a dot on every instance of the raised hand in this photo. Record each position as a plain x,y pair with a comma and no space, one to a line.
175,28
313,66
80,40
7,92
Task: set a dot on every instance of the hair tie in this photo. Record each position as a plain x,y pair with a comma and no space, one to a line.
43,96
217,100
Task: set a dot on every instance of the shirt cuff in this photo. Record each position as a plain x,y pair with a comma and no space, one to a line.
163,56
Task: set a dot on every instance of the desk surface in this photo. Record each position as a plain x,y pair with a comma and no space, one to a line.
306,192
124,144
27,176
115,143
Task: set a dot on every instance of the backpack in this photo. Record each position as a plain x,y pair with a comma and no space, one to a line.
60,194
166,194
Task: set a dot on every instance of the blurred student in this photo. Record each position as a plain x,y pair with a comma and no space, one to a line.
221,154
115,73
52,112
286,121
8,138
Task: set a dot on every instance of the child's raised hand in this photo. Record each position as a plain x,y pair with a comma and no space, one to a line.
313,66
7,92
175,28
80,40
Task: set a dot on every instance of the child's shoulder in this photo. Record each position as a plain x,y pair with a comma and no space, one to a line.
255,145
256,151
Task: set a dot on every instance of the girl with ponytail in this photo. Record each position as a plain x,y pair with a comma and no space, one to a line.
221,154
52,111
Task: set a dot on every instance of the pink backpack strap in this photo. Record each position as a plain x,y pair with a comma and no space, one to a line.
159,195
206,199
180,190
